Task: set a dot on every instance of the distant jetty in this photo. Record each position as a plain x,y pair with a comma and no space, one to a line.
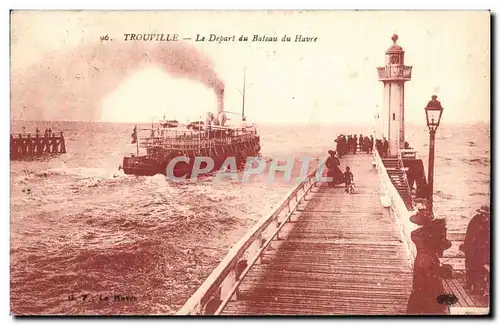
28,145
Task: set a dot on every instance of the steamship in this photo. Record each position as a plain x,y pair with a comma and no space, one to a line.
212,138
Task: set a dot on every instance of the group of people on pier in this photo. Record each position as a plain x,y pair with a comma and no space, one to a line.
333,166
333,170
382,146
353,143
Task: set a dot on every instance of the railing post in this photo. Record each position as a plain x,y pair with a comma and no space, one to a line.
303,190
278,224
198,310
256,246
227,285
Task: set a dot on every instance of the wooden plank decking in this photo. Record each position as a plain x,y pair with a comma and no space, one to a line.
340,254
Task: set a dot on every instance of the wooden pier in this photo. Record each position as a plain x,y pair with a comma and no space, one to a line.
341,254
25,146
323,252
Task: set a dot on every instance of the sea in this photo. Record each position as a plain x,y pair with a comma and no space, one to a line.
87,239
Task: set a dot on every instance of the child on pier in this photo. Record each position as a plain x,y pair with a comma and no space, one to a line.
348,179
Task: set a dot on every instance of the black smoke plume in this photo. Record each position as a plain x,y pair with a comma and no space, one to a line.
70,85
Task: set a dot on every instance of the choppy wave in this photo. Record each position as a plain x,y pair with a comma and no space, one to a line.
442,195
476,161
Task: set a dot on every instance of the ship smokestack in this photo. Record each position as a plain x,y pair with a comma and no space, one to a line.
220,102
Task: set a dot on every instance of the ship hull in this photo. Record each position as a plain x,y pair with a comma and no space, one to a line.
143,166
159,160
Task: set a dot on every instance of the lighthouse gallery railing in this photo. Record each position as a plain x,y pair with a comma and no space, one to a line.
225,279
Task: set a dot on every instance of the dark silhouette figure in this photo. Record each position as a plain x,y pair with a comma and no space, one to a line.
339,146
333,163
385,147
344,145
366,144
476,247
430,241
348,178
379,147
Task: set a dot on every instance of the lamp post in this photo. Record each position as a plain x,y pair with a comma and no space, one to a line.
433,112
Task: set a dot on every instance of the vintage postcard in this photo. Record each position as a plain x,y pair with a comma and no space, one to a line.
250,163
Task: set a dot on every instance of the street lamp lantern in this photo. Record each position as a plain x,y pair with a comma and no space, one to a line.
433,112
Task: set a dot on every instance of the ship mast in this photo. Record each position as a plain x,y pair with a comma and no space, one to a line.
137,141
243,104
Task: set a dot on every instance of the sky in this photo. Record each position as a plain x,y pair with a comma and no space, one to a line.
60,70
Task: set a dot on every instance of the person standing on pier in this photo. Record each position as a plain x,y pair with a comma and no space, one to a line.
427,285
354,144
343,142
476,247
332,164
338,148
378,146
385,147
366,144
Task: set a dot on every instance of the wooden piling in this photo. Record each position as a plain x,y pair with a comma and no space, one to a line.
25,146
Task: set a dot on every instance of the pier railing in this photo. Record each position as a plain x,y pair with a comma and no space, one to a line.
222,284
194,141
405,179
408,153
397,205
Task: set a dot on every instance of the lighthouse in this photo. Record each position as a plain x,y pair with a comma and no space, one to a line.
394,75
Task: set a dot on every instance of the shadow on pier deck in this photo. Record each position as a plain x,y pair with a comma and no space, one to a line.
339,254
